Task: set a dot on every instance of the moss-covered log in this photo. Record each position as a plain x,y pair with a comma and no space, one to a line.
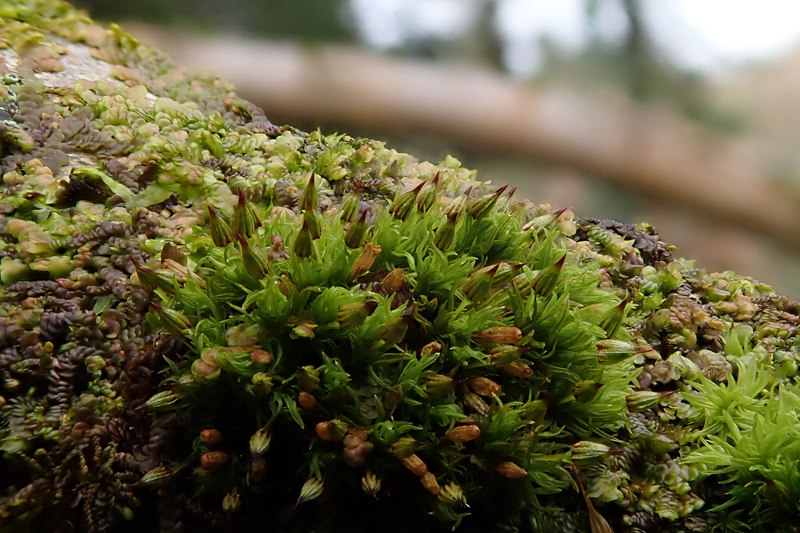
211,323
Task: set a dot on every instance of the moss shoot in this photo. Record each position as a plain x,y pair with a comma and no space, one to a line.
212,323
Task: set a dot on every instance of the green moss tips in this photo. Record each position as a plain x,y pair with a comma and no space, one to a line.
388,341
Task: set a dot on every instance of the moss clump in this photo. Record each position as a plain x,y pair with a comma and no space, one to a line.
211,323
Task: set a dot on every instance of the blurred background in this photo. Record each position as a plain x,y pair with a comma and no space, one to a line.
683,113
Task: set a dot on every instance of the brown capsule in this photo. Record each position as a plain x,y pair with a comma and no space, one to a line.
415,464
353,440
305,329
333,430
306,401
429,482
392,282
364,449
499,335
359,433
431,347
474,402
205,371
260,357
323,430
209,356
510,470
484,386
211,460
461,434
352,458
519,369
365,260
212,437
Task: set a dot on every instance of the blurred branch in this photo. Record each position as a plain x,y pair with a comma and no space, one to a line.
486,35
646,149
639,51
637,42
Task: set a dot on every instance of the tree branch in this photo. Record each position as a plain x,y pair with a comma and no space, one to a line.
646,149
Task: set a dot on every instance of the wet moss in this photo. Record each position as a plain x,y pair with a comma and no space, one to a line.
372,325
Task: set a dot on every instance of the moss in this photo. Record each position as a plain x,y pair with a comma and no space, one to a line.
384,342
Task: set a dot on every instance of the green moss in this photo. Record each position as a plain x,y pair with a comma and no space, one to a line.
209,322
